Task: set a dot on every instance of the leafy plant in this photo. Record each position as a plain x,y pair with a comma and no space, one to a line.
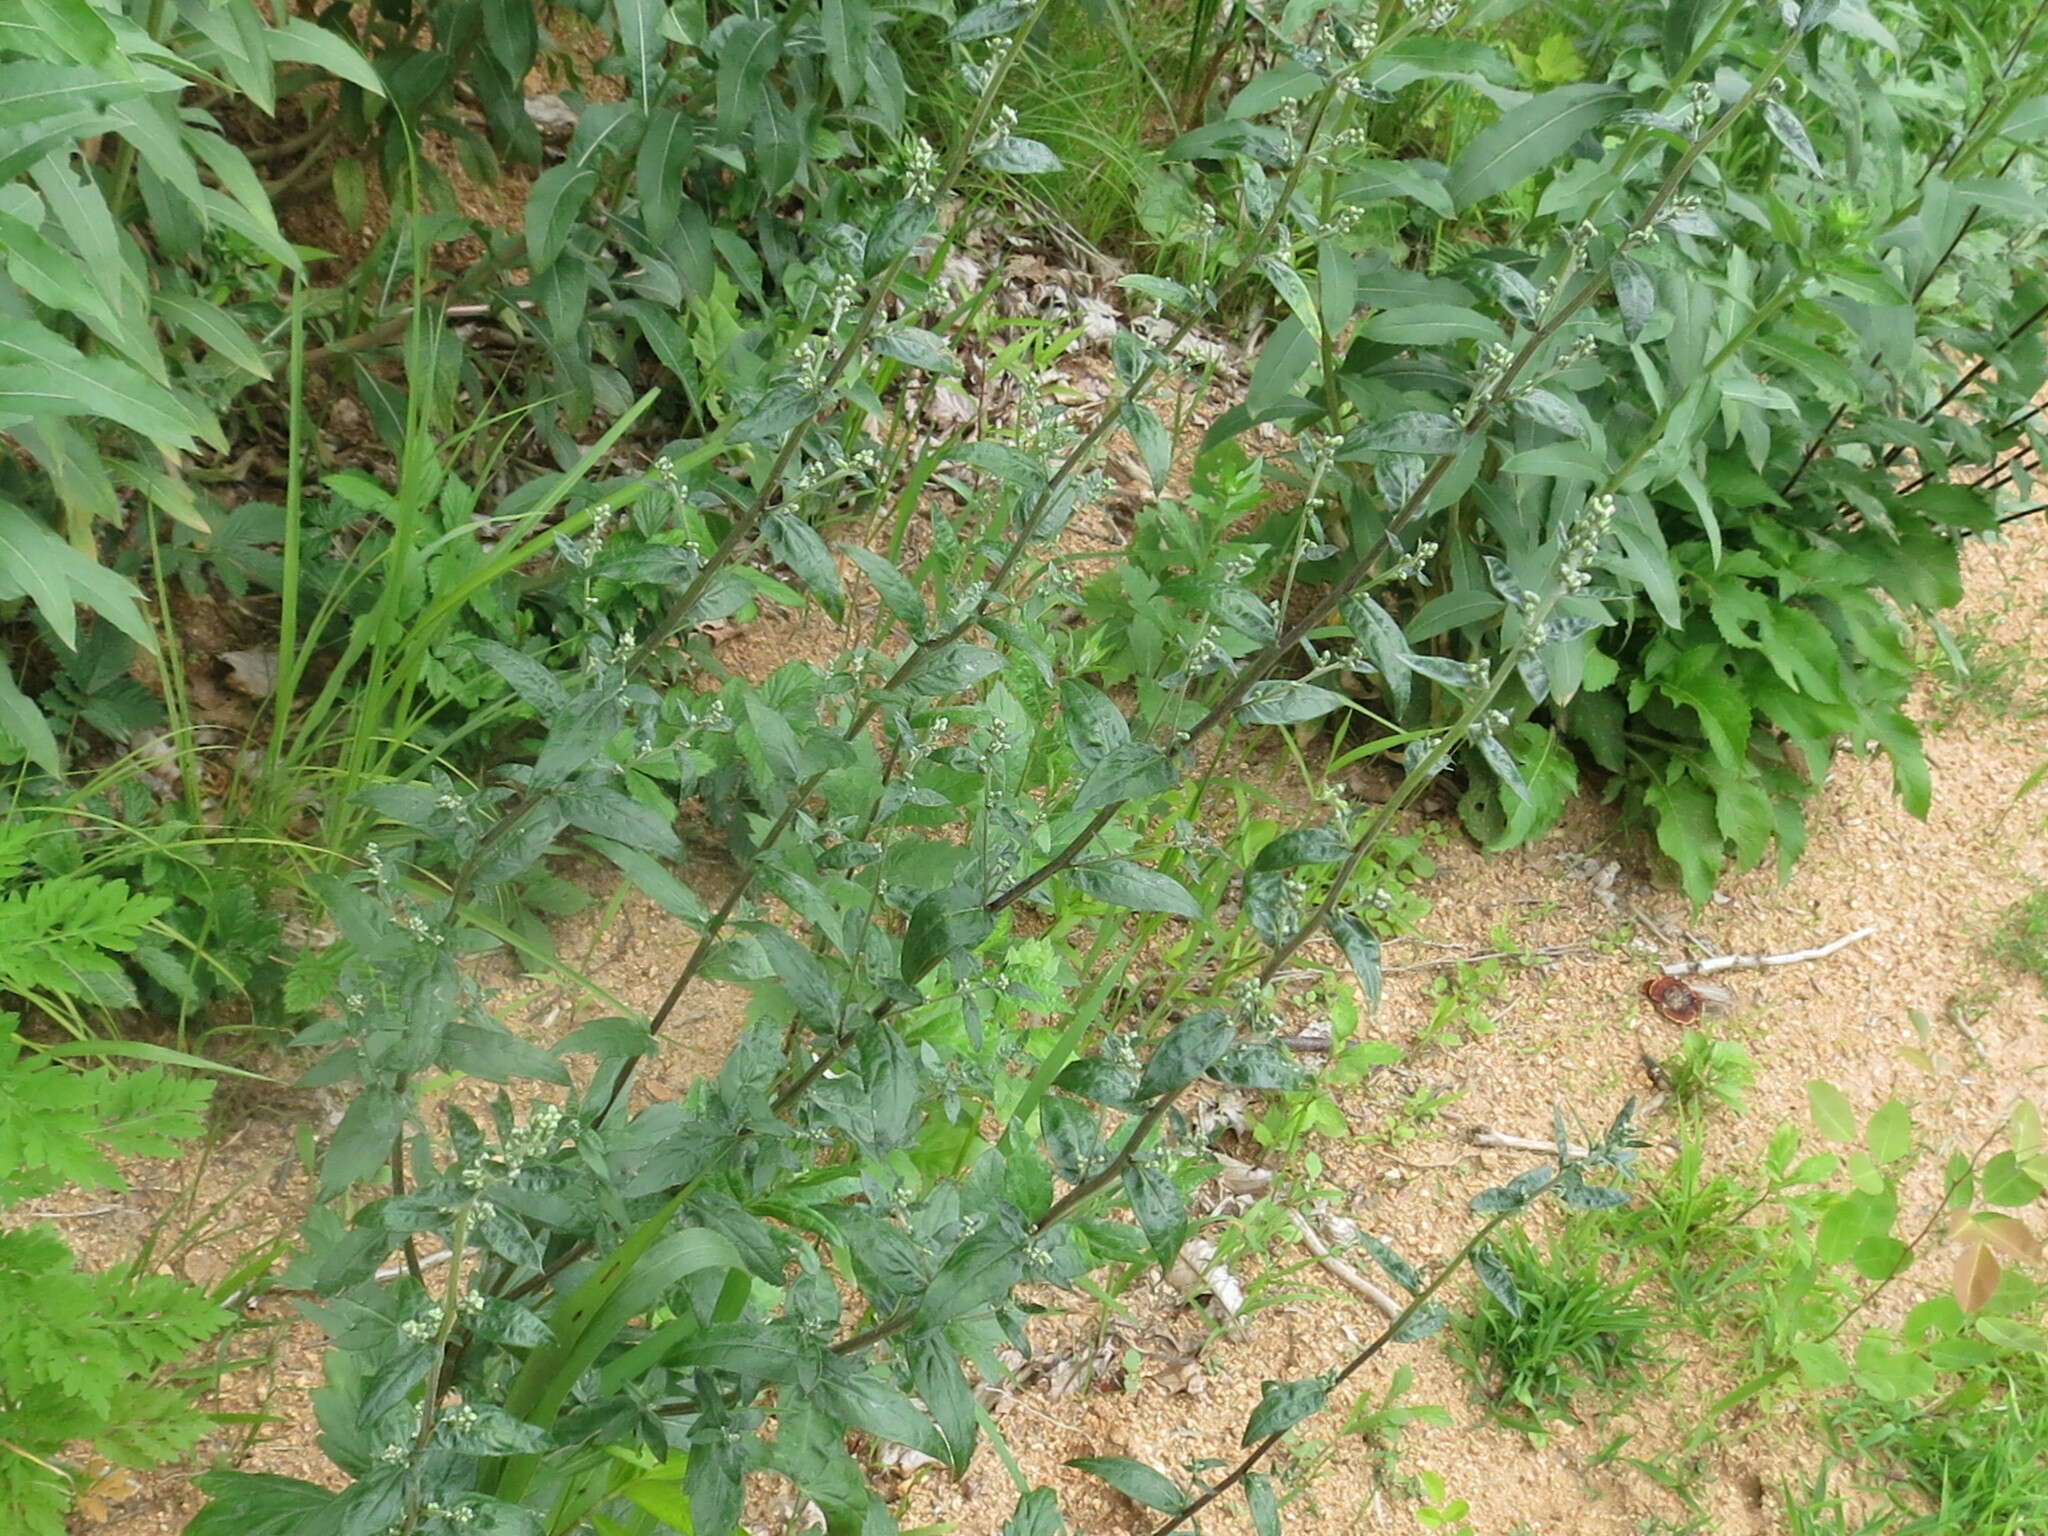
120,352
1658,289
88,1364
1706,1072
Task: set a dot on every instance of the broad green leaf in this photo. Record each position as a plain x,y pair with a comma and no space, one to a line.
1528,138
1161,1210
553,206
300,41
1288,701
44,376
1123,883
1187,1051
1135,1481
1428,325
1127,772
213,325
1832,1115
1284,1404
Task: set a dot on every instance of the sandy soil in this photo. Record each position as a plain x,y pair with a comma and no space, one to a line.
1569,1031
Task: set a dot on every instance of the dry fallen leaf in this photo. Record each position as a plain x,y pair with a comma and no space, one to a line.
252,672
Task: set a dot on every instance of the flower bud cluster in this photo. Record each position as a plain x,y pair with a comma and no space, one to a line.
1583,542
921,171
1490,723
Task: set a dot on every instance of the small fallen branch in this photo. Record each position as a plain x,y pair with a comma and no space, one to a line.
1715,963
1345,1275
1501,1141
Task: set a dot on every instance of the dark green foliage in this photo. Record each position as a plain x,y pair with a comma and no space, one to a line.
1750,373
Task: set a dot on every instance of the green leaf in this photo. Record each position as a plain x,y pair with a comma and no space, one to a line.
1093,725
32,91
1832,1115
1037,1514
1528,138
1288,701
1688,832
891,586
300,41
935,1373
916,348
1789,131
1127,772
1361,947
979,1273
989,20
1135,1481
23,724
1427,325
1018,156
256,1504
212,325
553,207
2005,1182
1122,883
950,669
748,48
1190,1048
1161,1210
638,36
43,376
1889,1135
940,927
1284,1404
1424,432
1498,1279
895,233
37,564
797,545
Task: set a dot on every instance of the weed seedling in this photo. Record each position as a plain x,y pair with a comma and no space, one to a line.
1706,1072
1550,1325
2021,940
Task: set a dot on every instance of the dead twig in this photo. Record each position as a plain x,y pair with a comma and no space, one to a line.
1345,1275
1501,1141
1754,962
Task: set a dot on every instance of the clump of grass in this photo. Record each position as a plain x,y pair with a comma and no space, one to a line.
1706,1072
1693,1229
1976,672
1976,1460
2021,939
1550,1324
